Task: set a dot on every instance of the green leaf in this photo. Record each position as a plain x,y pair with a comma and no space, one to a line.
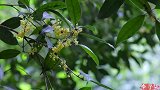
91,28
47,7
86,88
23,3
137,3
130,28
12,23
74,10
102,85
97,39
7,37
158,29
21,69
90,52
9,53
109,7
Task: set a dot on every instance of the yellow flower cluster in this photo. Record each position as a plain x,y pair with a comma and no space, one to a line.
66,37
75,32
33,50
61,44
67,43
60,32
26,28
58,47
53,56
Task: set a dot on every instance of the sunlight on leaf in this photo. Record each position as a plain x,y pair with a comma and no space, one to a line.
86,88
24,86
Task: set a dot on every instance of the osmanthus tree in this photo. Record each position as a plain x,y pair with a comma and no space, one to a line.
46,30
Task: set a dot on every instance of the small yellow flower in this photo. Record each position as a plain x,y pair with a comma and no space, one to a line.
58,48
76,32
67,43
26,28
75,41
61,32
54,49
60,45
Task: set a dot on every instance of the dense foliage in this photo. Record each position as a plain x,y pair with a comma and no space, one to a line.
53,44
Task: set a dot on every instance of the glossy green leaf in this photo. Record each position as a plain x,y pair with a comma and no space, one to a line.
47,7
102,85
7,37
137,3
90,53
25,2
97,39
158,29
5,34
12,23
109,7
74,10
9,53
86,88
130,28
91,28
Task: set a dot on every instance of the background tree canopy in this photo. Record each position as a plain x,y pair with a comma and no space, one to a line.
79,44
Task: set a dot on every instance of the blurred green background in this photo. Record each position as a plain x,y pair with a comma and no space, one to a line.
132,63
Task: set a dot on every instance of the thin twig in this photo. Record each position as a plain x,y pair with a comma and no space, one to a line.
28,41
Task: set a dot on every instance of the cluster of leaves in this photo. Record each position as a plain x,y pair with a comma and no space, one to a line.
42,22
